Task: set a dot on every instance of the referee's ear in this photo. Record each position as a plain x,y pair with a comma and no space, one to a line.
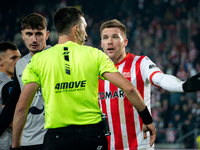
76,29
74,32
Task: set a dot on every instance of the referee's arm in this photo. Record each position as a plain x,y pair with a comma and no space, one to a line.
21,111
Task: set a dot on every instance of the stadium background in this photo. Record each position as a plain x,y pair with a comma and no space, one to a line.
167,31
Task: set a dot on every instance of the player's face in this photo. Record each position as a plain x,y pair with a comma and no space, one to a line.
9,60
35,40
82,31
113,43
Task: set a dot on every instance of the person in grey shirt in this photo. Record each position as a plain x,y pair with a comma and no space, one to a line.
9,55
34,33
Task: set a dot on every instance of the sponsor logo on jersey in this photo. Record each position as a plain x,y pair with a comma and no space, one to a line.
36,111
1,82
152,66
111,95
70,86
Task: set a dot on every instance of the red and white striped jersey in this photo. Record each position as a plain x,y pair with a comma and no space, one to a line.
124,122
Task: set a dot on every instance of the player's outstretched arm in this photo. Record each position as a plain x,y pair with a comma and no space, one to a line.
176,85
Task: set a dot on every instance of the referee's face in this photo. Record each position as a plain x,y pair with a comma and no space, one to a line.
113,43
35,40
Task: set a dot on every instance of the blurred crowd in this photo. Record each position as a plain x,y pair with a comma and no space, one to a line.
167,31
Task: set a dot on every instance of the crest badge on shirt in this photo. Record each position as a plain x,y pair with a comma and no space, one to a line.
126,74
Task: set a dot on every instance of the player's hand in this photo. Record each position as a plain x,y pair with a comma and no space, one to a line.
151,128
192,84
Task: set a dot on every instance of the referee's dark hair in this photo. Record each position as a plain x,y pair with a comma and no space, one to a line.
65,18
5,45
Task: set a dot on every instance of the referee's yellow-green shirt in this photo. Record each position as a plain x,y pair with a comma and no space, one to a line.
68,76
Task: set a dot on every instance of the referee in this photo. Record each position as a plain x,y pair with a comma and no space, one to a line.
68,75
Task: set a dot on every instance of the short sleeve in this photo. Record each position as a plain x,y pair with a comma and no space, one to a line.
30,73
105,64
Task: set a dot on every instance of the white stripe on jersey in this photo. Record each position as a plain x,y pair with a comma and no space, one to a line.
122,114
107,89
136,115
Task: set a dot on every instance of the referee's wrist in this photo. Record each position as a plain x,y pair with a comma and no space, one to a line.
146,116
17,148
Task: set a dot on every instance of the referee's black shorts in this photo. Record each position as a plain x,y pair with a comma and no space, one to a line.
33,147
76,137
